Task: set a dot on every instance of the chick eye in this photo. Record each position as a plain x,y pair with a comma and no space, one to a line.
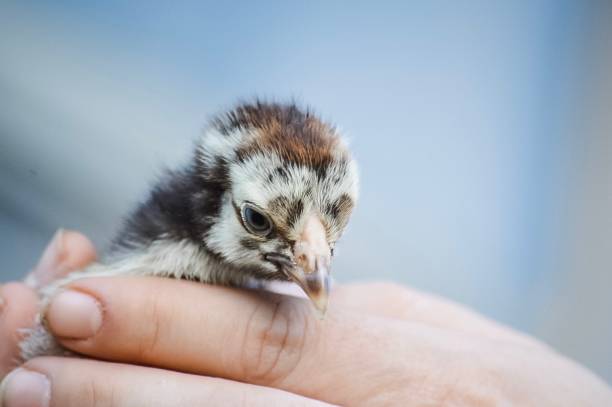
255,221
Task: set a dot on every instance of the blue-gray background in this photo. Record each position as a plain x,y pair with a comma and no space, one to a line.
482,130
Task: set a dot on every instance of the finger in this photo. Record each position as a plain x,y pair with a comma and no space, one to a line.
392,300
51,382
275,340
17,310
271,340
68,251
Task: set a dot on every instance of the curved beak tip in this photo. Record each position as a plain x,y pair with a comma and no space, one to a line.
320,305
316,285
319,294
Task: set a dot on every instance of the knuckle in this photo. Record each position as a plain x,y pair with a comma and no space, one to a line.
391,287
396,292
12,286
90,393
274,340
401,299
149,339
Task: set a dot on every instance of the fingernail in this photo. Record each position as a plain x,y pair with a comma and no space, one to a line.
52,255
24,388
50,262
74,315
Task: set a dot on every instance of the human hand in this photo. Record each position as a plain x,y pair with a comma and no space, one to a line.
68,251
380,344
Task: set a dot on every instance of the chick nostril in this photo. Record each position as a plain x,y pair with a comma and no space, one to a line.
306,261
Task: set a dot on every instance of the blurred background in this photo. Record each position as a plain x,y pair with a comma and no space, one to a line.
483,132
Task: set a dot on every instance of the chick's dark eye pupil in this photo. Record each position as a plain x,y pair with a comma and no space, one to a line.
256,219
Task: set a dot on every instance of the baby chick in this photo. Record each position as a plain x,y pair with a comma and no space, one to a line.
268,193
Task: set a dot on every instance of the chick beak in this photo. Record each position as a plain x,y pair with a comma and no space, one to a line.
312,258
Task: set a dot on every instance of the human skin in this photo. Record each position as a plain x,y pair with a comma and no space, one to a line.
168,342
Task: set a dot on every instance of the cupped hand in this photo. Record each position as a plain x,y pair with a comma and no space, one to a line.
164,340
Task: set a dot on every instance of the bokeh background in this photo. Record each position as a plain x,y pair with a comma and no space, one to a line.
483,131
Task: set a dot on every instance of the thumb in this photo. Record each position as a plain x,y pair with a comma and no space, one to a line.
68,251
